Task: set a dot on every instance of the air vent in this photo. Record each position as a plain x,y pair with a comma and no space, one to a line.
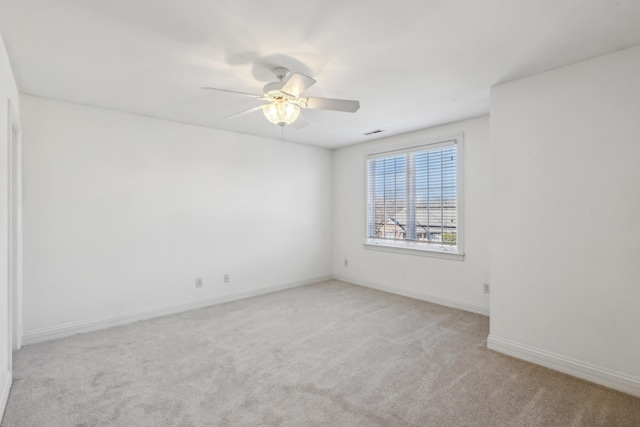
372,132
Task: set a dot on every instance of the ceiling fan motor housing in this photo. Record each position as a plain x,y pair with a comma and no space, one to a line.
273,89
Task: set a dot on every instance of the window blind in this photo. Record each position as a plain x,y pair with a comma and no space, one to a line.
413,195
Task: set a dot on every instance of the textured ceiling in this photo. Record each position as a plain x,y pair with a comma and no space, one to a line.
411,64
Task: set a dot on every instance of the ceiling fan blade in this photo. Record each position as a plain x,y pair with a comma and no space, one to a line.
330,104
233,91
297,84
242,113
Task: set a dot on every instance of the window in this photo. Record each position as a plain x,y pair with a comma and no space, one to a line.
414,198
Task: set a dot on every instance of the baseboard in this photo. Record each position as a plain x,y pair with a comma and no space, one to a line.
424,296
576,368
5,388
68,329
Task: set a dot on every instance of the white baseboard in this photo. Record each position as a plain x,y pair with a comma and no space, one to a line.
68,329
424,296
5,388
576,368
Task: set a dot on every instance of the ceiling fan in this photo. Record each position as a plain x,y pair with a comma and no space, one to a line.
284,98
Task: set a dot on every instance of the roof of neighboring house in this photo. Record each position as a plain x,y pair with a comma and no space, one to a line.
427,219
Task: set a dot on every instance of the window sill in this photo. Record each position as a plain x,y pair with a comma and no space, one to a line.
412,248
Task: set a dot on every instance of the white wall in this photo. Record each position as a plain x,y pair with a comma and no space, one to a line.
565,247
8,91
449,282
122,213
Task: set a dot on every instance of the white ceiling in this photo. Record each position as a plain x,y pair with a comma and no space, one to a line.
411,64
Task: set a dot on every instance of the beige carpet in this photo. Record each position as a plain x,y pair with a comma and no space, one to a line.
329,354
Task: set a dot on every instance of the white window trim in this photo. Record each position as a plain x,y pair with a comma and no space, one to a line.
412,247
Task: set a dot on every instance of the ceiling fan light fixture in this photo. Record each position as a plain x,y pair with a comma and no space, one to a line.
281,112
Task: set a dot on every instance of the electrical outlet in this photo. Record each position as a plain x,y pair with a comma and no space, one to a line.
226,278
198,282
346,262
485,288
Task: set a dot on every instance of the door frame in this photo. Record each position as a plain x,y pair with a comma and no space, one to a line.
14,228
